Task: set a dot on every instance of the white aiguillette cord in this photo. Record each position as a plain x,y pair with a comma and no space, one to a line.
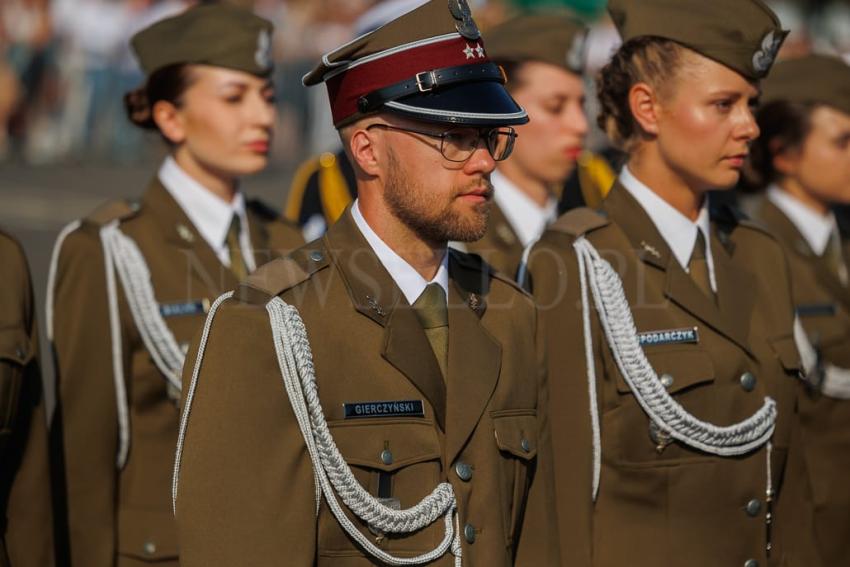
618,325
331,473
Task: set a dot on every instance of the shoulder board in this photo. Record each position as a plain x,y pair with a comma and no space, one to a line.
577,222
279,275
112,211
262,210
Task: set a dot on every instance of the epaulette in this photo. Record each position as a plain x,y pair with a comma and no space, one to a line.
262,210
111,211
578,222
277,276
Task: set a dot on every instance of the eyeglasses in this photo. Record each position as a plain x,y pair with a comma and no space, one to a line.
458,144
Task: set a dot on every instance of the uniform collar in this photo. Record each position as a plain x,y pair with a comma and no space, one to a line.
677,230
814,227
526,217
409,281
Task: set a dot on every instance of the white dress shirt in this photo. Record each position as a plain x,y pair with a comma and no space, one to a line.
411,283
677,230
815,227
210,214
527,218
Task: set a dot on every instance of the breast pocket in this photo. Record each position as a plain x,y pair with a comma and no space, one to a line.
14,356
516,437
679,369
397,460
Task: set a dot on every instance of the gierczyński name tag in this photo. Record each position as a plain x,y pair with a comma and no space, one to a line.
401,408
669,337
198,307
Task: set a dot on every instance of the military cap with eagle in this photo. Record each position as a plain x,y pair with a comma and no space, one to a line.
429,64
744,35
214,33
813,79
551,36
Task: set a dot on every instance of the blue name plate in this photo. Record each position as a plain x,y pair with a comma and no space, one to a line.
401,408
199,307
669,337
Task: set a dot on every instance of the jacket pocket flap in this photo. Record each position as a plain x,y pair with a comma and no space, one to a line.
149,535
516,434
786,350
679,369
15,346
388,445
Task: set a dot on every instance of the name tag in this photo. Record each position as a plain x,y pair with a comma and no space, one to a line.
669,337
402,408
199,307
817,310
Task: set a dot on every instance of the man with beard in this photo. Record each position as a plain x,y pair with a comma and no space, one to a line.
376,398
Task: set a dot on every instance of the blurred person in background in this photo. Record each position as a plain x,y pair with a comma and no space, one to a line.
131,283
802,162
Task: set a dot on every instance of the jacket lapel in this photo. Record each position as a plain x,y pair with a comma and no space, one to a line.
475,357
375,295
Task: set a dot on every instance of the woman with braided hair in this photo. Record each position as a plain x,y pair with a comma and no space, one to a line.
669,322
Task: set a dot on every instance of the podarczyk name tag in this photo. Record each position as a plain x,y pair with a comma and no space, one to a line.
669,337
199,307
402,408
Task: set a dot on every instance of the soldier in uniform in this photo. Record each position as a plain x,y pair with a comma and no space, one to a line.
131,283
803,161
25,505
669,327
376,398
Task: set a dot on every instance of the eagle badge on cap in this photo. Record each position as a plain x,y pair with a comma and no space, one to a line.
465,25
763,58
263,55
575,56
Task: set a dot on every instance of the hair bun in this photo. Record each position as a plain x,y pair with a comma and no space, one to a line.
138,108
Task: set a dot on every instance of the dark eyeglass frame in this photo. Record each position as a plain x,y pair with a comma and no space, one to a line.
484,133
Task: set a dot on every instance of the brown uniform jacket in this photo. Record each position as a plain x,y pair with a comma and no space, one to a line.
246,491
500,247
823,465
25,514
674,506
123,517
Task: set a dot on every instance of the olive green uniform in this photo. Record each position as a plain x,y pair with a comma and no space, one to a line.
122,516
663,503
500,247
246,489
25,514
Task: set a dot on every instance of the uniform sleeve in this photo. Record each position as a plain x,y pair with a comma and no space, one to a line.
553,272
86,416
246,491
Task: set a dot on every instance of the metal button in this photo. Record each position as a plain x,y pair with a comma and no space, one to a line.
753,507
469,533
751,563
149,548
526,445
387,457
464,471
20,352
317,256
666,380
748,381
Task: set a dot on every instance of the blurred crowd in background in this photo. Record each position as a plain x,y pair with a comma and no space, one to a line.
65,65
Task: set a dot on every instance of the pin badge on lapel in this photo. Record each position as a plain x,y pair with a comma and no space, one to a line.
506,234
185,233
374,306
475,302
650,249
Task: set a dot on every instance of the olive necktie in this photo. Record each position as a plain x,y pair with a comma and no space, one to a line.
433,314
835,258
237,261
698,267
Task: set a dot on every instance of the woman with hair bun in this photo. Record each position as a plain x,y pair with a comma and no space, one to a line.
131,283
669,322
802,162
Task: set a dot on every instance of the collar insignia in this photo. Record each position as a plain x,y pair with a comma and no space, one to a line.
650,249
185,233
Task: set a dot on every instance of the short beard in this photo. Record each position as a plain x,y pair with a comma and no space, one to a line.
412,205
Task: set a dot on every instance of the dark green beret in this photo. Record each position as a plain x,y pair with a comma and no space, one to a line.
816,79
552,36
210,34
744,35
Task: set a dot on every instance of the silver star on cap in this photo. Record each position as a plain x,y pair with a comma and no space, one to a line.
469,52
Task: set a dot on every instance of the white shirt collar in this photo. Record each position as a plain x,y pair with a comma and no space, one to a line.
210,214
677,230
526,217
815,227
411,283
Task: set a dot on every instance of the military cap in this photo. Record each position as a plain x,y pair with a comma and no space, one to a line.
744,35
550,36
210,34
429,64
816,79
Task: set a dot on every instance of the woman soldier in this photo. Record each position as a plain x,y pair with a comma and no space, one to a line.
131,283
802,159
669,327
